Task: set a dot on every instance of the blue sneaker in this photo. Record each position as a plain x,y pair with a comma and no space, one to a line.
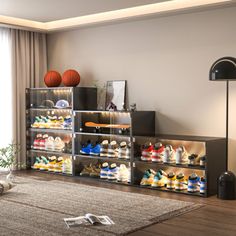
95,151
86,148
104,170
203,185
193,183
113,172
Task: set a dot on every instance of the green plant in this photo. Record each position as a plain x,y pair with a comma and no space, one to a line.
8,156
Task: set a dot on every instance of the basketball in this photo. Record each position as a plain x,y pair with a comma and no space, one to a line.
52,79
71,78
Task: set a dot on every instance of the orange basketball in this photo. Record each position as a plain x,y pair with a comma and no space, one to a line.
52,79
70,78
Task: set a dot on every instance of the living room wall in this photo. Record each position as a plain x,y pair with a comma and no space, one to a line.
165,61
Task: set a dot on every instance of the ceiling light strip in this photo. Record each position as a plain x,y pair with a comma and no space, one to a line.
162,7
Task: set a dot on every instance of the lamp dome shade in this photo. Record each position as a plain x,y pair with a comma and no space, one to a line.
223,69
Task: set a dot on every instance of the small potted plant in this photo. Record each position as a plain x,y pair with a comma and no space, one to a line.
8,158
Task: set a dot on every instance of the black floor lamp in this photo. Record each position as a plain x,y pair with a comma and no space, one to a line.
224,69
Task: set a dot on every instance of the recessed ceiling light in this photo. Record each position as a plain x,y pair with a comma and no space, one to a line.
144,10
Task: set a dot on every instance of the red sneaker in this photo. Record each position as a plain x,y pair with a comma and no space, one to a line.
42,142
147,152
37,140
157,153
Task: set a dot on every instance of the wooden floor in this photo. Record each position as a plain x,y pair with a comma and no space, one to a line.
216,217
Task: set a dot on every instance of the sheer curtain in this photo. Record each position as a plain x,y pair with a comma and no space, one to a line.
5,88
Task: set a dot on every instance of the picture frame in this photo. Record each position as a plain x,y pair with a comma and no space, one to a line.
115,95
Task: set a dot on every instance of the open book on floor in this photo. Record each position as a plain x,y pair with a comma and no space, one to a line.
88,219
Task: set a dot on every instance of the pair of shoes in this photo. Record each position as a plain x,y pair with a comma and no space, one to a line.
91,170
90,149
153,178
39,141
166,154
113,150
113,172
109,172
41,163
54,144
55,164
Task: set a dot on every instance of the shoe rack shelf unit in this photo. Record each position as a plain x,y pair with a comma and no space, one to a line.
98,134
55,102
214,149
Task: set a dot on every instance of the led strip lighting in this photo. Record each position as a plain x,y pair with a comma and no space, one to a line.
144,10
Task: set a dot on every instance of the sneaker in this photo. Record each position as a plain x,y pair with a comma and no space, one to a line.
104,148
203,161
95,151
112,172
37,121
146,152
122,150
148,177
112,150
44,163
36,164
49,143
169,154
193,183
37,140
86,148
157,152
67,124
42,142
96,170
181,156
58,165
123,173
67,166
104,170
203,185
52,162
159,179
86,170
170,183
180,182
59,145
192,160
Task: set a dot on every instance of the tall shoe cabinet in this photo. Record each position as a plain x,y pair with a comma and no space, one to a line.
83,103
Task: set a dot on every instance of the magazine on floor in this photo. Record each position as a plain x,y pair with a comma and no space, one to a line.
88,219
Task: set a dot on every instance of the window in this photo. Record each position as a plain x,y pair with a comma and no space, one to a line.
5,88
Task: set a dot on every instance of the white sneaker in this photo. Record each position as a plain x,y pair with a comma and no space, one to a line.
122,150
169,154
59,145
123,173
113,150
181,156
104,170
49,143
104,148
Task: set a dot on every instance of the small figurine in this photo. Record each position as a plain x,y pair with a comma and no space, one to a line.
133,107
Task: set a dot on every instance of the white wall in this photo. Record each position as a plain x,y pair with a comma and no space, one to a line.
166,63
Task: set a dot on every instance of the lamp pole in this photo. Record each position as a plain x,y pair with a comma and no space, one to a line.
227,122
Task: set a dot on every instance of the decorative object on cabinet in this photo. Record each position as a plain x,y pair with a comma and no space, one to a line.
52,79
70,78
116,95
224,69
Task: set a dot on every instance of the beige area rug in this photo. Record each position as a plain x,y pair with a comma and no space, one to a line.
37,207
